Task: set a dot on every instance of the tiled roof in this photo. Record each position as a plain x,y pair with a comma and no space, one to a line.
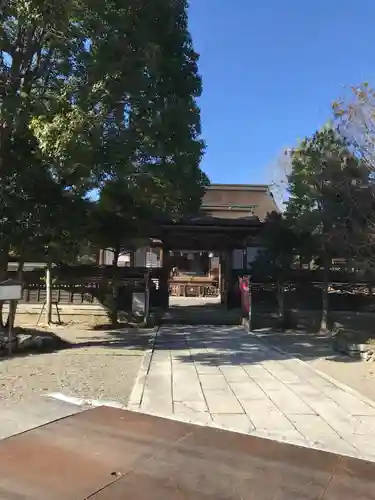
238,201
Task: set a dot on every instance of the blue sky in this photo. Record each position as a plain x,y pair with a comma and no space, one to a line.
271,70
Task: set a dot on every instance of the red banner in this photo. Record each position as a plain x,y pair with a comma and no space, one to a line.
245,294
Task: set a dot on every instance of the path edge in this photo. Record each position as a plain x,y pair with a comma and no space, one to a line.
136,395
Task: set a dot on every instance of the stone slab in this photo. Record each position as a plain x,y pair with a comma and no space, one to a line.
214,375
223,402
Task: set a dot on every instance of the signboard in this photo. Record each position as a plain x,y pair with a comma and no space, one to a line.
10,290
151,259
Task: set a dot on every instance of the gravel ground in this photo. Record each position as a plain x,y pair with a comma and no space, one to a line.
101,365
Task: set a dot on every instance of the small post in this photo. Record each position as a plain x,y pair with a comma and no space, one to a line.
250,308
10,326
147,296
48,292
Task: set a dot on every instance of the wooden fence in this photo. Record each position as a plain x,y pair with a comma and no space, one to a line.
348,290
74,285
308,296
80,285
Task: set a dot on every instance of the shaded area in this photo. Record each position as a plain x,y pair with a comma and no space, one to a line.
230,345
309,320
107,453
199,311
131,339
36,341
233,346
27,341
303,344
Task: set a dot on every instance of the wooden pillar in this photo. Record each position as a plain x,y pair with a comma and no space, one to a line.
221,291
228,274
132,257
101,257
165,275
161,258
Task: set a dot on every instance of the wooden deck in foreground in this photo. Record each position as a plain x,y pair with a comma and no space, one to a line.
109,454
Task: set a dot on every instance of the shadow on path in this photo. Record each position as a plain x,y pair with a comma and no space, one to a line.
228,345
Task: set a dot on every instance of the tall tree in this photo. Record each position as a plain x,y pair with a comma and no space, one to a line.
106,90
152,133
92,91
321,164
41,46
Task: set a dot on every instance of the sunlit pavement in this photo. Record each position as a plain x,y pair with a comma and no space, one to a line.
225,377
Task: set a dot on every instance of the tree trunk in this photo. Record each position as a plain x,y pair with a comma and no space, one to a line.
49,292
114,306
324,319
280,302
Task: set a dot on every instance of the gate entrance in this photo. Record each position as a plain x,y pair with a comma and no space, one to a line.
202,260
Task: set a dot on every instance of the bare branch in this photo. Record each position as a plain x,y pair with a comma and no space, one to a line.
279,171
355,119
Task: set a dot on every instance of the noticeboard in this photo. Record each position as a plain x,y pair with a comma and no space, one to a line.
10,290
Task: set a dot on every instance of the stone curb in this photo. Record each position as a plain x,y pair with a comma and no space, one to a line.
85,403
136,395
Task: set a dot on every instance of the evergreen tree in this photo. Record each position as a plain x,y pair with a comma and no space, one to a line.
322,170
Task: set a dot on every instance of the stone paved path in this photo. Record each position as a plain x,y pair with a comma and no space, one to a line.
224,377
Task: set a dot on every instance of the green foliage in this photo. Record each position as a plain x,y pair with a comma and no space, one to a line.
119,216
151,136
323,169
280,245
95,95
323,191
